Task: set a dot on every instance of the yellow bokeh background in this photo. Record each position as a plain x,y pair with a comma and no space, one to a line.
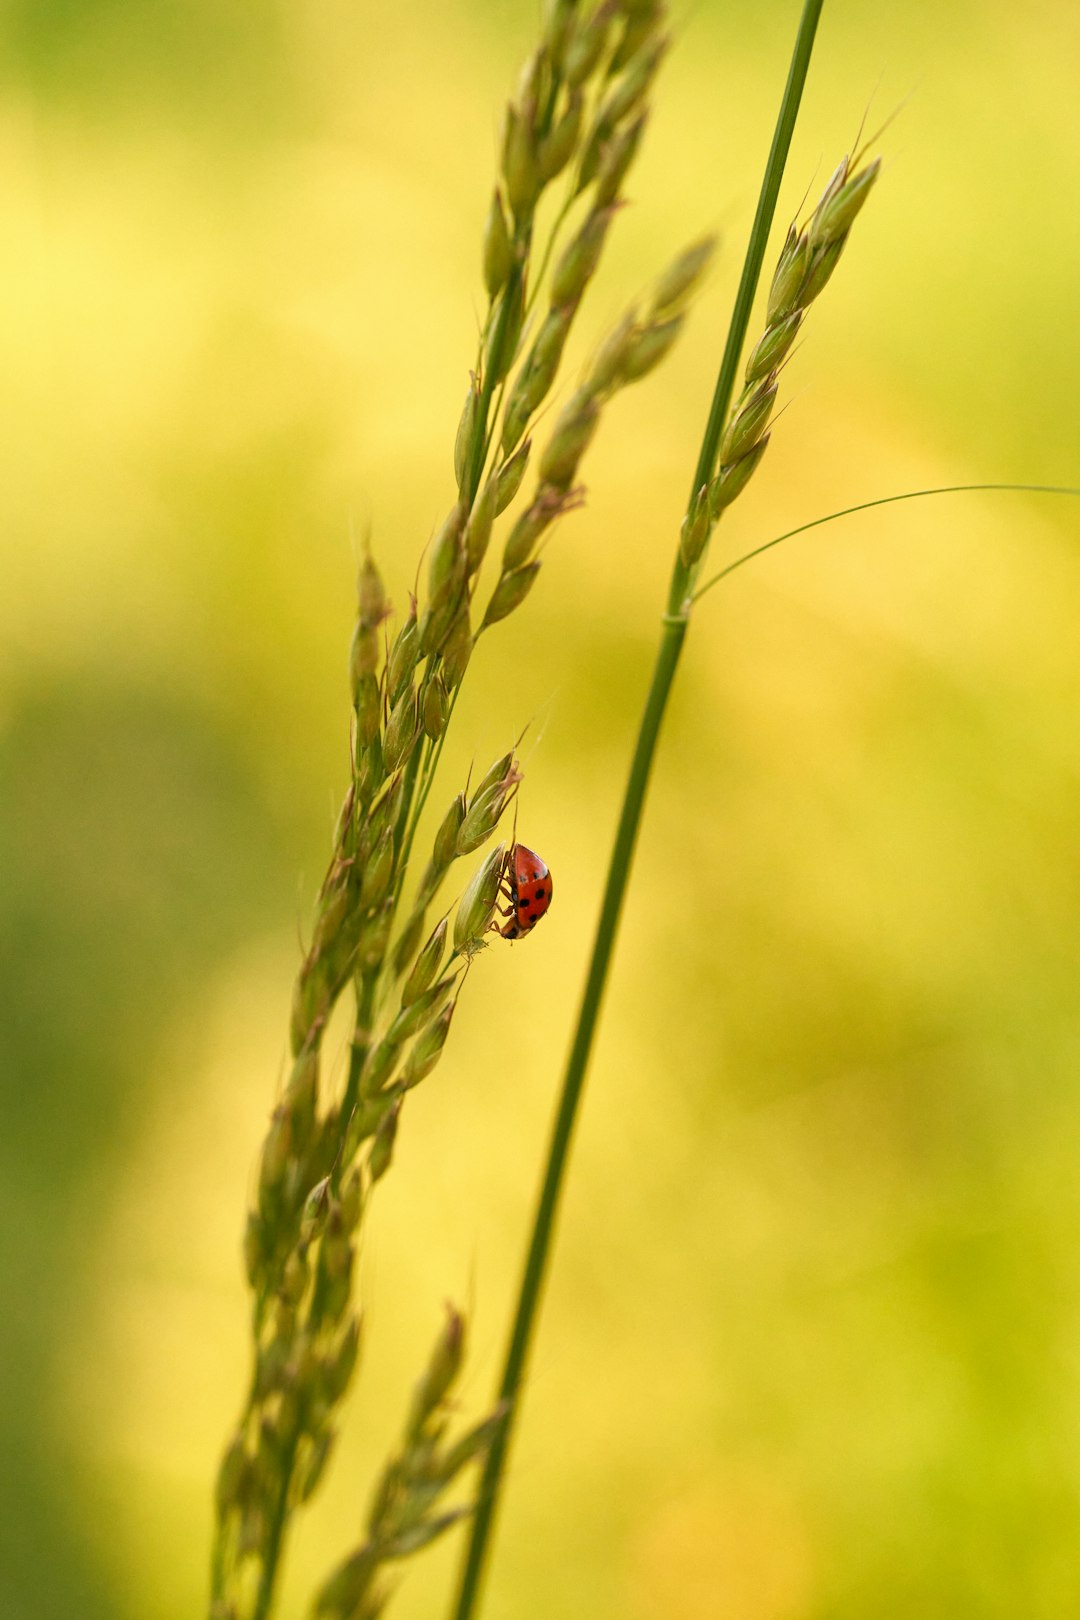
811,1349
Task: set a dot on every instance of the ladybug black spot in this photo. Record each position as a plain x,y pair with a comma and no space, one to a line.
539,893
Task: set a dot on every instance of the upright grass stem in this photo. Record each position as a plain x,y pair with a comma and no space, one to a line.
675,624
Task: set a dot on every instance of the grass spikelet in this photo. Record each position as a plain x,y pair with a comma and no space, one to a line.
807,261
406,1512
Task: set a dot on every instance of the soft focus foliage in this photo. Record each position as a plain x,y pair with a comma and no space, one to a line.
812,1346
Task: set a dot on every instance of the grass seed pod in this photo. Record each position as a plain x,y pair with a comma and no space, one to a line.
519,163
436,707
696,524
510,475
457,647
382,1149
463,439
836,213
615,158
510,592
789,277
478,903
574,429
586,47
578,263
445,848
426,966
730,481
427,1048
650,347
558,148
401,729
773,347
748,423
478,527
681,278
498,250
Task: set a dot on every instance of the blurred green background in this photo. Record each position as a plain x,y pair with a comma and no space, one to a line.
812,1346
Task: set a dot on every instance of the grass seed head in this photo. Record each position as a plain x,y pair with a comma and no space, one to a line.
748,423
478,903
457,647
536,376
504,770
373,604
683,277
407,946
558,148
731,480
642,22
485,811
403,655
525,536
382,1149
696,526
337,1370
837,210
446,557
519,163
466,430
510,592
436,708
605,372
427,964
446,838
822,264
401,730
504,330
374,938
650,347
578,263
313,1465
630,90
498,249
379,872
475,1443
510,475
788,279
773,346
380,1065
427,1049
233,1476
573,433
615,159
479,524
440,1374
413,1016
586,46
345,1595
368,704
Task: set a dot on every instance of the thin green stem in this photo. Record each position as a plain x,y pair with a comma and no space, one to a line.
865,506
671,642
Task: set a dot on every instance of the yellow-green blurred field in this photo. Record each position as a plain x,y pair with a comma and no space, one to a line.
812,1345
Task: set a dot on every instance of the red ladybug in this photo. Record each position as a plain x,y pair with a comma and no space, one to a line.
527,886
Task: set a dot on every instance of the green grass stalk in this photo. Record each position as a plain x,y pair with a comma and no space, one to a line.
675,624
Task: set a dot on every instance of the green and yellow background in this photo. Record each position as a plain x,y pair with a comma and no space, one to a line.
812,1345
